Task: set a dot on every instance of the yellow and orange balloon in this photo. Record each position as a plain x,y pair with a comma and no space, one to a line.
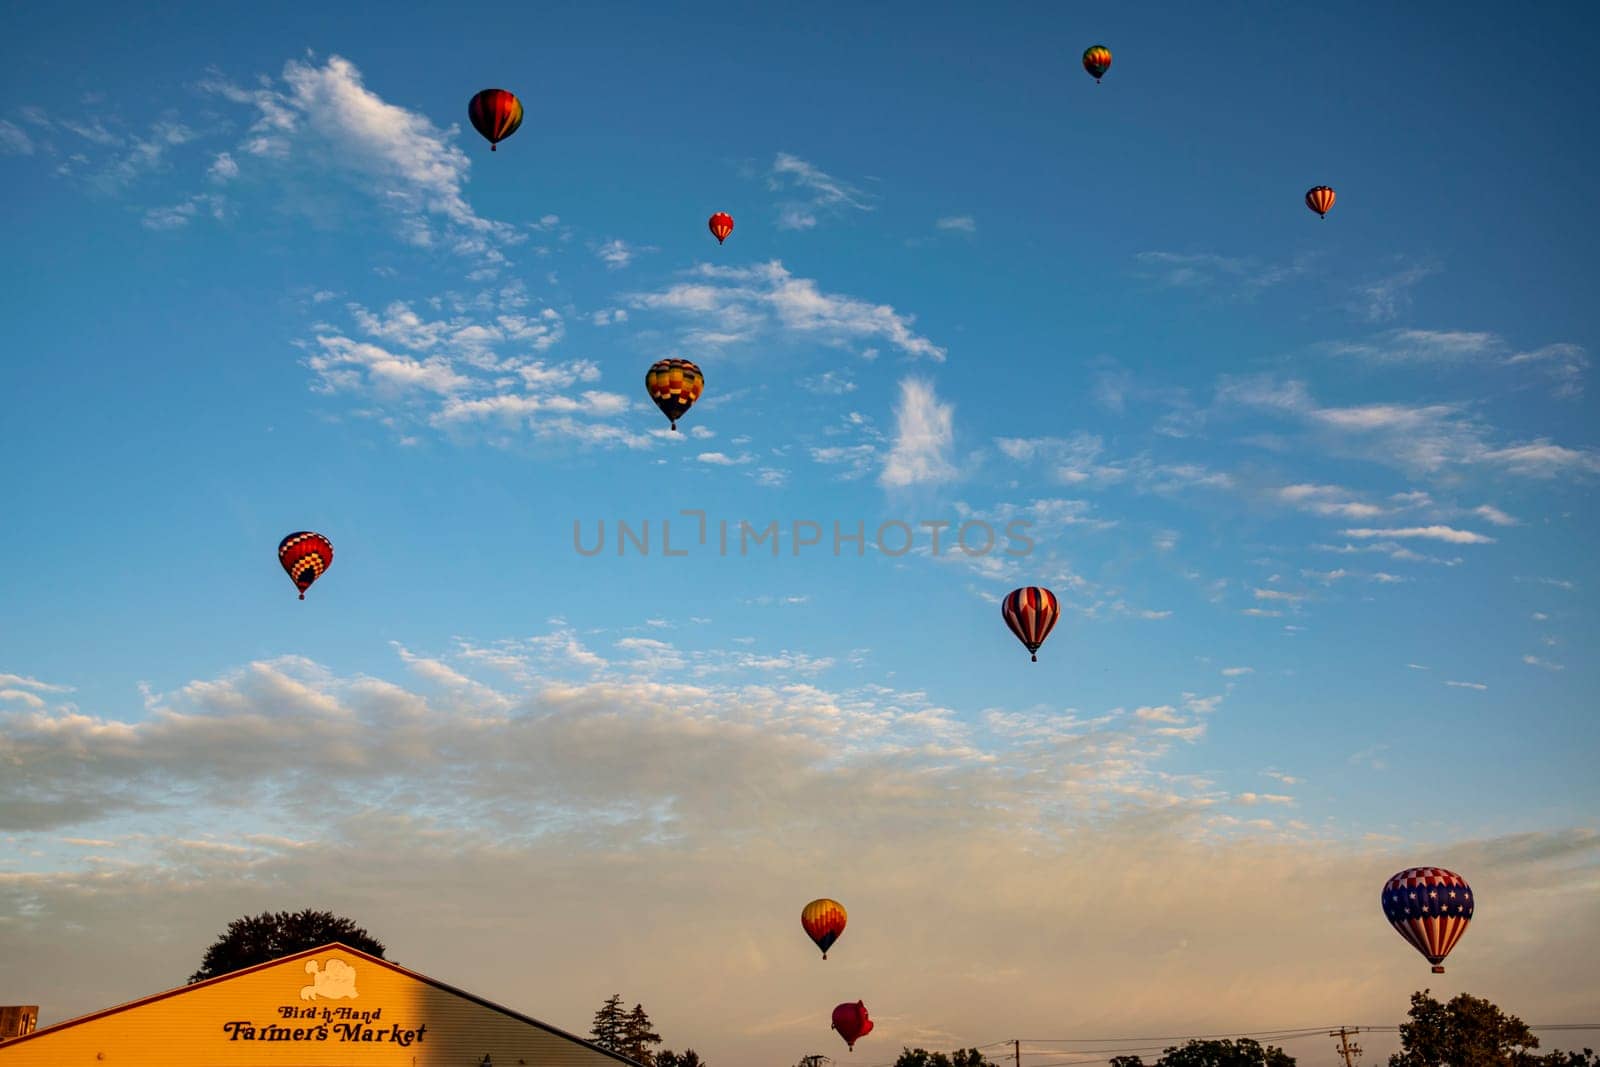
824,921
674,384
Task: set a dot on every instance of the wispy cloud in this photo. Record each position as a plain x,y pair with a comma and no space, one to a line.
1467,685
1387,297
961,223
821,192
14,140
325,118
1435,533
924,435
1244,278
745,303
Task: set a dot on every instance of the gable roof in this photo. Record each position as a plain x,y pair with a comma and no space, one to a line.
374,960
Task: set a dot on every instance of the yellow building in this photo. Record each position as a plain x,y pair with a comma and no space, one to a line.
328,1007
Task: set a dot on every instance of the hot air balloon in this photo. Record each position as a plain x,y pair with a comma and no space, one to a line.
674,385
305,556
852,1023
1097,60
721,225
824,921
1031,612
1429,907
496,114
1320,199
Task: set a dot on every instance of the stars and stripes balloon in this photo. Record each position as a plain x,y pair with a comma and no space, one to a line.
852,1023
496,114
824,921
1097,60
1430,907
674,384
721,225
1320,199
1031,612
305,556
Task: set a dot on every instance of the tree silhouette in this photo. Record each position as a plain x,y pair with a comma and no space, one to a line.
638,1039
687,1058
1240,1053
272,935
608,1023
1470,1031
961,1057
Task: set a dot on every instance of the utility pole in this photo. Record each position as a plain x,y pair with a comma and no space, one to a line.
1345,1049
1016,1046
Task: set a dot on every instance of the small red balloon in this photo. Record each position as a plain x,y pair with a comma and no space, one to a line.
852,1023
721,225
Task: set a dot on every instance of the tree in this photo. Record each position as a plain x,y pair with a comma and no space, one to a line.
1557,1058
638,1039
272,935
687,1058
608,1022
1243,1052
921,1057
1467,1032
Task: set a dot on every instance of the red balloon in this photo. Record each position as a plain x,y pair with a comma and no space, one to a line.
305,556
721,225
852,1023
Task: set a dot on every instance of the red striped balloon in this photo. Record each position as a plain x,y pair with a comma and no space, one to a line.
721,225
305,557
1320,199
1031,612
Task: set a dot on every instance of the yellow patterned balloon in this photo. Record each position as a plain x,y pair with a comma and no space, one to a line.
674,384
824,921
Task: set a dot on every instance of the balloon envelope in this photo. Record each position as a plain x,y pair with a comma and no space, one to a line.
1097,60
852,1023
1320,199
674,384
1430,907
305,557
824,921
1031,612
721,225
496,114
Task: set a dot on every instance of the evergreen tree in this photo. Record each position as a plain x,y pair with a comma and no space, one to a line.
638,1039
608,1024
687,1058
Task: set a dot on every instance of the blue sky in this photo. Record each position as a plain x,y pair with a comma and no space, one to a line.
1317,496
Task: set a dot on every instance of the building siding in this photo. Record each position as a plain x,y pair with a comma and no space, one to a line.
326,1008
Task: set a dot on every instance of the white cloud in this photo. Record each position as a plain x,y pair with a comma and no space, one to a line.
1246,278
1467,685
14,140
223,168
924,435
962,223
1422,439
1535,661
1564,364
744,303
822,191
1494,515
617,253
1326,500
324,118
1235,672
1434,533
1387,297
